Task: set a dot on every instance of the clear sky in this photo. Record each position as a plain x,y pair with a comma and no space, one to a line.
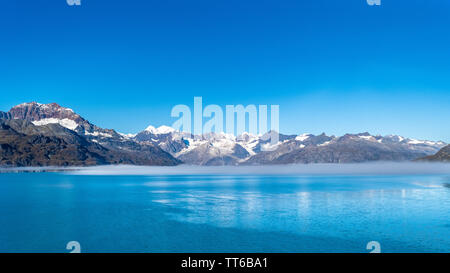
332,66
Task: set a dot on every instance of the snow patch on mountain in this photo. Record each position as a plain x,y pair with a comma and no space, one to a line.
273,146
395,138
325,143
41,106
302,137
248,142
127,136
68,123
192,144
369,138
424,142
96,134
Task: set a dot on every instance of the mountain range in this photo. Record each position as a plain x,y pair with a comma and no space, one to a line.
34,134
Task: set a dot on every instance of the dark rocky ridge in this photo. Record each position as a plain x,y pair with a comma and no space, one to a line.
443,155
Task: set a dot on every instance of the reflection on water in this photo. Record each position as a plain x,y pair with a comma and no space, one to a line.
227,213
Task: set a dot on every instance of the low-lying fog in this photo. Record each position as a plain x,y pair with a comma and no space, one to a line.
384,168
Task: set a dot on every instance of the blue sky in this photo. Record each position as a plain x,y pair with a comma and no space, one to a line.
332,66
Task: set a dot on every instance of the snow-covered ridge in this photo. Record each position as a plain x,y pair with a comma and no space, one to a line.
424,142
96,134
67,123
161,130
302,137
127,136
30,103
326,143
223,148
49,106
250,141
370,138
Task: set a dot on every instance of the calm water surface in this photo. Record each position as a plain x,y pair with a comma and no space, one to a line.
41,212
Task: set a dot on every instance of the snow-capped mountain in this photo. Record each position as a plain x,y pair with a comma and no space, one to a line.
225,149
52,113
206,149
34,134
346,149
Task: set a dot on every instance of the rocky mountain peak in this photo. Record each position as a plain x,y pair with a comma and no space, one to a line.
34,111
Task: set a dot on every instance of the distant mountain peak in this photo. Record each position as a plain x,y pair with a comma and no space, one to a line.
50,106
42,114
52,113
34,111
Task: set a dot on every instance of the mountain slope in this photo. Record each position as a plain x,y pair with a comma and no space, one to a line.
44,148
443,155
24,144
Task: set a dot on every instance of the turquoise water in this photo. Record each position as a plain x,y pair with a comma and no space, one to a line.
42,212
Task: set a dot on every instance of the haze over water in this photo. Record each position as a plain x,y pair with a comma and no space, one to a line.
246,210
